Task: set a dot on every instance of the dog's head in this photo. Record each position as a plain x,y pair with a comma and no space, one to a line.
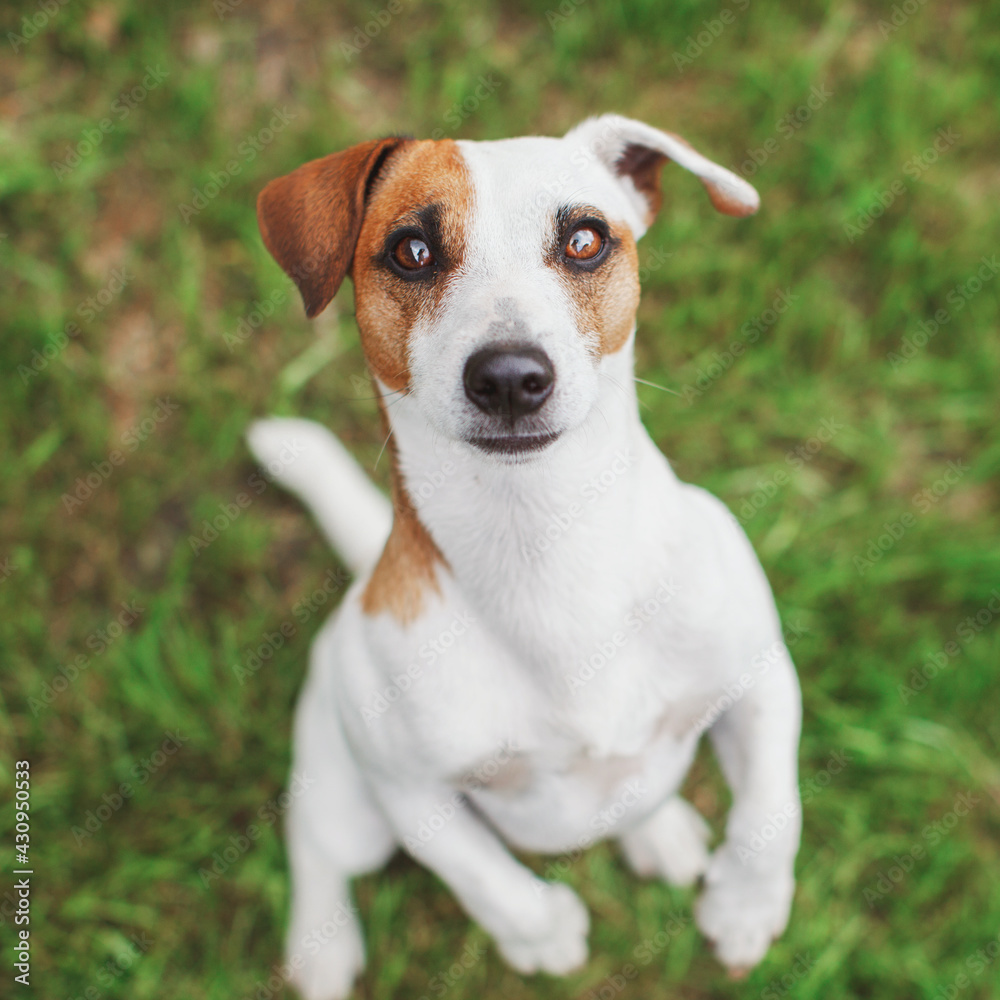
490,278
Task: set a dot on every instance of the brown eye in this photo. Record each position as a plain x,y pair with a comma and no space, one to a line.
584,244
413,253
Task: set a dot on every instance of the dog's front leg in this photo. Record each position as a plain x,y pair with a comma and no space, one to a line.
750,879
537,925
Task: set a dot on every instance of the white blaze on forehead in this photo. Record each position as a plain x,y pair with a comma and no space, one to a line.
504,289
520,184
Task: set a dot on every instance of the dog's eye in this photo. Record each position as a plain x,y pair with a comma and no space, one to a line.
584,244
413,253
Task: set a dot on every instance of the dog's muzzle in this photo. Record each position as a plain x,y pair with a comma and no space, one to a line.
508,383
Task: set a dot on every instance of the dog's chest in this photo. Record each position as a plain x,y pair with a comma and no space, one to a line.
565,699
546,726
575,767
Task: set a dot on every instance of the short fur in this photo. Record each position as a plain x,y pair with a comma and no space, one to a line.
535,653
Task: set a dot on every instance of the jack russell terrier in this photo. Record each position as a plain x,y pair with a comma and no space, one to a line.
544,619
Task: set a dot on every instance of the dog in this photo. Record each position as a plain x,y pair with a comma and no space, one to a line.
544,619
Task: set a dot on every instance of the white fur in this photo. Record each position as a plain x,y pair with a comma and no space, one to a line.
315,466
608,136
492,717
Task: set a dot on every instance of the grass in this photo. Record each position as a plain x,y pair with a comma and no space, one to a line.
861,453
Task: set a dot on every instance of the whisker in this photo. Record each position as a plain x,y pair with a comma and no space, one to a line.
663,388
384,443
601,412
622,390
389,392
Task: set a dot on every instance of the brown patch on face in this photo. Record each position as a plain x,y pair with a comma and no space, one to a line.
615,306
336,216
407,566
310,219
605,297
426,186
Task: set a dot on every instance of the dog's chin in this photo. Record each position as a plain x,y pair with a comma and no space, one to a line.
513,447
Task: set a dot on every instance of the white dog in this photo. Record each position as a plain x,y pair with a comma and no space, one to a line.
545,619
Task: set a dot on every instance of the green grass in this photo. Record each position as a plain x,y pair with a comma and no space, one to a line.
752,435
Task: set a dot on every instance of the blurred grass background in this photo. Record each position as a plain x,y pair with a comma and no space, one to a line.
136,349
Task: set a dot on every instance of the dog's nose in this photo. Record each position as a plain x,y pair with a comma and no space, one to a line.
509,382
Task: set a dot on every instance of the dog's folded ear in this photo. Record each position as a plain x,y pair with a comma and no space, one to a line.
635,153
310,219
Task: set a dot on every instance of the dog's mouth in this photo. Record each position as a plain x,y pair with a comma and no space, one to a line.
513,444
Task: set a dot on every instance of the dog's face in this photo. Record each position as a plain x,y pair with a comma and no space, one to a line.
491,278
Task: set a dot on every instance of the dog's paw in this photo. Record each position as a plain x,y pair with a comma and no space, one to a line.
742,911
672,844
558,946
323,965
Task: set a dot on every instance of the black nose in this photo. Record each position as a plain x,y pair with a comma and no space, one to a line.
509,381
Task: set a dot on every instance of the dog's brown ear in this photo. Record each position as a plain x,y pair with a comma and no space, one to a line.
310,219
636,152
